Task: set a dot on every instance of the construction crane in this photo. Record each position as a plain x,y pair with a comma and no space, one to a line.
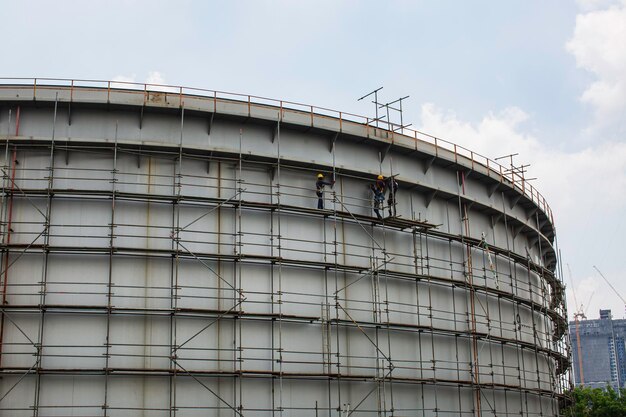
610,285
579,314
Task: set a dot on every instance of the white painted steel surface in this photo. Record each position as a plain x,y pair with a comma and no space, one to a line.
152,268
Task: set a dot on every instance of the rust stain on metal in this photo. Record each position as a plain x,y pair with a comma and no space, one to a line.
156,97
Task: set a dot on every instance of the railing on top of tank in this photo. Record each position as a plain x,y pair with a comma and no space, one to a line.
515,179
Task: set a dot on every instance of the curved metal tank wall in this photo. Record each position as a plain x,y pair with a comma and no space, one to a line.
162,256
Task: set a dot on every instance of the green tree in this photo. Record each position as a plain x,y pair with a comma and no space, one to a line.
597,402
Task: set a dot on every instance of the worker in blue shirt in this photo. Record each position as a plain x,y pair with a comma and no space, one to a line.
319,189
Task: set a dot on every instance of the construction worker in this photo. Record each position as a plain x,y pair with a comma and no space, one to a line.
392,184
378,188
381,184
319,189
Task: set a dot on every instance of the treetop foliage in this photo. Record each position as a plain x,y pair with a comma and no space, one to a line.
597,402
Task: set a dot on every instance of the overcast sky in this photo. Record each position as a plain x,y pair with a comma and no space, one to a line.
545,79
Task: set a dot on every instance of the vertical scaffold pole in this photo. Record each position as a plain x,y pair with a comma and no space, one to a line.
280,277
337,354
44,273
429,270
274,255
107,357
453,296
469,276
175,265
336,296
5,183
8,182
237,284
324,306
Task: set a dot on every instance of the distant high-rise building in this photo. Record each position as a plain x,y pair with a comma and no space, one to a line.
602,350
605,314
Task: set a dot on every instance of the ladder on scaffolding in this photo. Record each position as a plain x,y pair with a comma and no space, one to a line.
326,338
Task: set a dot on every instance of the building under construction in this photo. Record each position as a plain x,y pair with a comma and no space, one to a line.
163,255
599,352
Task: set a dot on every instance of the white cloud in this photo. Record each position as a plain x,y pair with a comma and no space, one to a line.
562,175
598,45
125,78
495,135
599,171
155,81
155,77
124,81
586,190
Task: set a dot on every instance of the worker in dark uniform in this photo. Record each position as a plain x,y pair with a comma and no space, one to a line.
319,189
378,189
392,185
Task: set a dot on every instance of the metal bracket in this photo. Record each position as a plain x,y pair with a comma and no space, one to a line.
495,219
385,152
276,131
210,126
492,189
515,200
430,196
428,164
530,213
549,260
332,142
141,117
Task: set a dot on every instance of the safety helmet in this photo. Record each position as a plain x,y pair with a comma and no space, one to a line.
380,177
320,175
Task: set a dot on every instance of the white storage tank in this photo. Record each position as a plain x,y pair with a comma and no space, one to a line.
163,255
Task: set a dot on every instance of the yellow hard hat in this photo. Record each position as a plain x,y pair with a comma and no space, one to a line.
380,177
320,175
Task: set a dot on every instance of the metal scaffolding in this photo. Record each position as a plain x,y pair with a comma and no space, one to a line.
479,278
